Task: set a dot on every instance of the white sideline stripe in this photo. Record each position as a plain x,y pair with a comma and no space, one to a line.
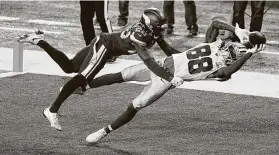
2,18
10,74
47,22
28,30
266,52
247,83
272,42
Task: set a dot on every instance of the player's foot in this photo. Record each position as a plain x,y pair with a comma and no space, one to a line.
33,38
78,91
193,30
122,22
52,118
96,136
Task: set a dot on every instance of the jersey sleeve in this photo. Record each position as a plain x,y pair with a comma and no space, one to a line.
226,72
139,36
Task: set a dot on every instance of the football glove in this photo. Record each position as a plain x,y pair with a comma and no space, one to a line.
256,49
177,81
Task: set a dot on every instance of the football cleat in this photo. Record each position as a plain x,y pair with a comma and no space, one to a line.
52,118
32,38
96,136
78,91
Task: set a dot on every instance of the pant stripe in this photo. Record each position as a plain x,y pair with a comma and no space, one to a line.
95,58
86,70
99,56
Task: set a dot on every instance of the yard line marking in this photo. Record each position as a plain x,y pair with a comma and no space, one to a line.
272,42
28,30
48,22
2,18
266,52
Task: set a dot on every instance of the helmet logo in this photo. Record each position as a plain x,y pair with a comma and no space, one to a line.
147,21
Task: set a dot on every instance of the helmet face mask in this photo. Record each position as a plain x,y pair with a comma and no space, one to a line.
155,21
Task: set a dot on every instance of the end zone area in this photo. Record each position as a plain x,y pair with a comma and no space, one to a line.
182,122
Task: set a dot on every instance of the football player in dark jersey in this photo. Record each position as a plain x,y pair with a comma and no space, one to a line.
90,60
176,64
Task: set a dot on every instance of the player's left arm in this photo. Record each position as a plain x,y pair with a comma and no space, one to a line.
225,73
166,47
218,24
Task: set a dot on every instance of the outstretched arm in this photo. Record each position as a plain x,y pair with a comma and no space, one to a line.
219,24
225,73
168,50
216,25
150,62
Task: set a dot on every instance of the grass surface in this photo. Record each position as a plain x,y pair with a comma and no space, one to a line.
181,122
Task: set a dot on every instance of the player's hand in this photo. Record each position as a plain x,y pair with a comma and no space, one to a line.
177,81
256,48
242,34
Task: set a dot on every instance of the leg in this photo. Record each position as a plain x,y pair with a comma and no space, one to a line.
86,19
103,20
239,8
123,12
102,16
168,9
152,92
66,64
138,72
191,16
257,15
97,55
212,32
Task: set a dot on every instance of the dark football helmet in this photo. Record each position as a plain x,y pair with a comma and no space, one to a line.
155,21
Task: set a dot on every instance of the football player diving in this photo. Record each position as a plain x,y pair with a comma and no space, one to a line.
215,59
90,60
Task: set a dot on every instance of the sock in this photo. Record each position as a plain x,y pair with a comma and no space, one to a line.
59,57
108,129
124,118
67,90
106,79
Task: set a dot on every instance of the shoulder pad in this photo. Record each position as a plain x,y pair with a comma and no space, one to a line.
138,38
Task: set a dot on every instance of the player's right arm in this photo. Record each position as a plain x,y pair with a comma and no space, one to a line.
150,62
225,73
168,50
139,40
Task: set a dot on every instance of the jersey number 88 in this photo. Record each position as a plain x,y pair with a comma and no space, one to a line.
199,62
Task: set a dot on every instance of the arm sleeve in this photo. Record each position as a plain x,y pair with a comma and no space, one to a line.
226,72
150,62
213,30
168,50
219,24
